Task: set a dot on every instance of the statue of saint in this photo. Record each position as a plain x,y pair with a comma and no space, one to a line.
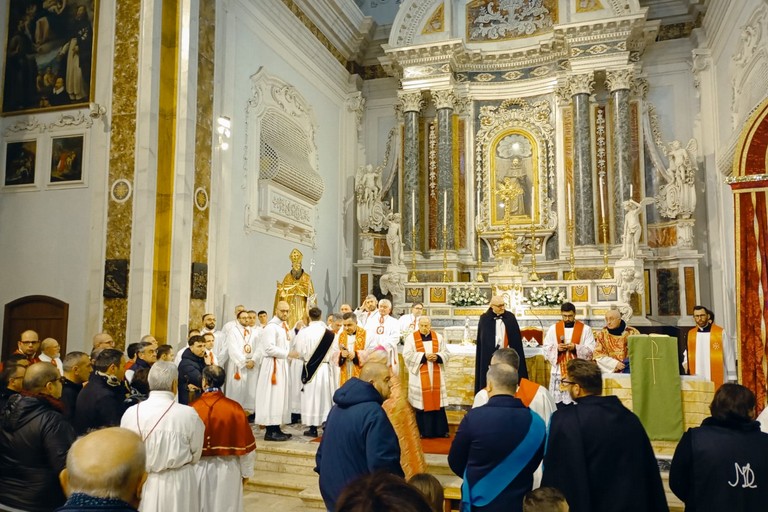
297,290
678,195
632,227
394,242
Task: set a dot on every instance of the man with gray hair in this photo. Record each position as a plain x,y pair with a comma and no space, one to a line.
110,482
383,331
77,369
50,352
498,447
173,437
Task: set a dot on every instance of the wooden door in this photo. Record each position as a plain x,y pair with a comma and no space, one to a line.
45,315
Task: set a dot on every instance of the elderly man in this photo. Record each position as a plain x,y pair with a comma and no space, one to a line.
314,344
566,340
498,447
384,331
598,453
103,340
146,356
50,352
29,345
228,449
611,343
34,440
173,437
102,402
243,362
111,482
359,438
497,328
425,355
273,386
77,370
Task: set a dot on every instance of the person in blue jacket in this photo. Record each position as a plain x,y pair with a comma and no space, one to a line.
358,438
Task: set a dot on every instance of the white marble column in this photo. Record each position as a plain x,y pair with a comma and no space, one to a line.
411,103
584,211
444,102
619,82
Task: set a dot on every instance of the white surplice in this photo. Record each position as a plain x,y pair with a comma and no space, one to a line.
173,437
317,396
584,350
56,361
413,361
383,332
223,477
272,407
240,350
408,323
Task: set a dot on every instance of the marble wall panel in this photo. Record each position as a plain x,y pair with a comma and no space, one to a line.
668,285
445,183
583,207
411,176
622,158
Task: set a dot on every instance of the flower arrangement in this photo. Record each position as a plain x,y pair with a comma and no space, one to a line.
545,296
468,295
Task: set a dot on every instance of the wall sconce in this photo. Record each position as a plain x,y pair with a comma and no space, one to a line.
224,129
95,110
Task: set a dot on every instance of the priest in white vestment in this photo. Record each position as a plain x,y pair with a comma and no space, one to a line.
367,310
242,369
425,356
314,343
410,322
384,331
173,437
272,387
567,339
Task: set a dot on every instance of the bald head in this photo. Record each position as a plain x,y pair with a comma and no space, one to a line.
50,347
42,379
377,374
29,343
103,340
107,463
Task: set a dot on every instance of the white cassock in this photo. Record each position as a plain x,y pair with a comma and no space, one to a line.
55,361
317,395
173,437
363,316
220,352
295,366
413,361
584,350
383,332
408,323
272,398
222,479
241,382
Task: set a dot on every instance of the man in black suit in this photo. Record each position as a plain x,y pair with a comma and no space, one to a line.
497,329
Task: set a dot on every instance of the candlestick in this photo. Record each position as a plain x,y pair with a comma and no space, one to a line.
413,211
445,254
533,275
570,203
445,208
413,278
602,200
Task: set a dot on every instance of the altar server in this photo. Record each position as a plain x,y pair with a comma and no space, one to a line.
496,329
425,356
242,363
314,344
567,339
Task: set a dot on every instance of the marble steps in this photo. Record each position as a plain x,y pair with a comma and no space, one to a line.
283,484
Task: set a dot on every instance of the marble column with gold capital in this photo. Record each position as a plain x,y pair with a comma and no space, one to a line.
444,101
581,86
411,103
619,81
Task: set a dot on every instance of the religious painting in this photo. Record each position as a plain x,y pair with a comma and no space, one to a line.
588,5
66,161
199,288
20,163
115,279
50,55
503,20
514,176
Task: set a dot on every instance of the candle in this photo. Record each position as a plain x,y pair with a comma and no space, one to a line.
631,195
413,210
570,203
602,199
533,191
445,208
392,204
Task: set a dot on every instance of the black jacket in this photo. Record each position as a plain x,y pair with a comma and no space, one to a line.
486,344
34,440
190,372
704,472
79,502
69,394
99,405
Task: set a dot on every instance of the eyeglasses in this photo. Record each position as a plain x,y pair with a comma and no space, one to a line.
570,382
29,342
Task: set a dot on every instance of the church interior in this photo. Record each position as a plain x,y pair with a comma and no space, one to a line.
611,153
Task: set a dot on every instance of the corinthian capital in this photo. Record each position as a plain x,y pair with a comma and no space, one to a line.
444,99
618,79
411,101
581,84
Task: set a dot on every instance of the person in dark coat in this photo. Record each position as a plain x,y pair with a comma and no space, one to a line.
110,482
488,339
34,440
723,464
77,369
358,438
598,453
191,369
102,402
485,440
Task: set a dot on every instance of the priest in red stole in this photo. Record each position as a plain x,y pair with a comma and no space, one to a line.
704,355
229,448
497,328
567,339
425,355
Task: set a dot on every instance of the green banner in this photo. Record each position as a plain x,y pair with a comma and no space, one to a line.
656,395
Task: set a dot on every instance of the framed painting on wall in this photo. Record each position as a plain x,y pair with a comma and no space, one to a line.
20,158
50,55
66,166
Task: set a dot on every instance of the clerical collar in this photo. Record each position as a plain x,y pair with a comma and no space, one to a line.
211,390
705,329
619,330
569,325
427,336
499,317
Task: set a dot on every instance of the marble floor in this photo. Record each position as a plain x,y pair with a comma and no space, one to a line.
261,502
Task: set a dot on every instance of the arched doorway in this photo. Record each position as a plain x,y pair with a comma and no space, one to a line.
45,315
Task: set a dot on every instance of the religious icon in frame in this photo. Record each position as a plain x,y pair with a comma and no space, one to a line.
20,163
514,163
50,53
67,160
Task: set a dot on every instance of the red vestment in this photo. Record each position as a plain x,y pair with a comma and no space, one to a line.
226,426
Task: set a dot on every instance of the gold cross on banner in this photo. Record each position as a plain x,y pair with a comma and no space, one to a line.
653,359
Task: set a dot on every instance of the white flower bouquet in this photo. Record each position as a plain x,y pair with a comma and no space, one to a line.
468,295
545,296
